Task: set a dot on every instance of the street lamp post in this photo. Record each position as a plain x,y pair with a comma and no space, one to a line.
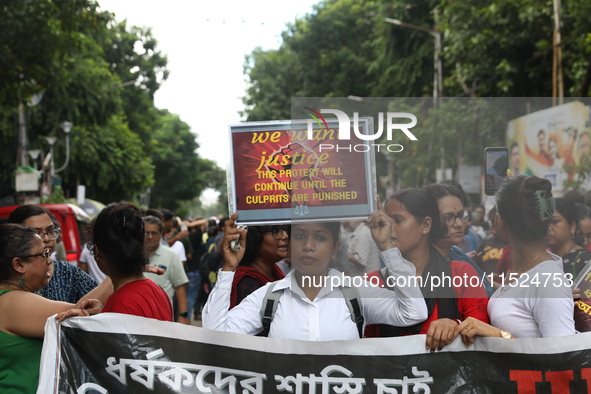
437,76
66,127
51,140
437,69
34,153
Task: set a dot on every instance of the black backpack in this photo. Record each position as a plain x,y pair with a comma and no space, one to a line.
208,260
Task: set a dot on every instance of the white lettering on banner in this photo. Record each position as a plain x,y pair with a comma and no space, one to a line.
176,375
387,386
179,375
86,387
284,383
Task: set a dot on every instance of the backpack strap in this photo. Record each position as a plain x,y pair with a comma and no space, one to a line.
351,295
269,306
271,300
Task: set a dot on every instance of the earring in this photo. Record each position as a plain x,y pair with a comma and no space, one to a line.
21,281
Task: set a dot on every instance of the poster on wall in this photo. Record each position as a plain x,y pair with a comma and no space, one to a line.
543,143
289,171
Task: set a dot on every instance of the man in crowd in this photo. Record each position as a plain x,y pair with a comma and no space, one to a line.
174,279
180,226
178,246
167,224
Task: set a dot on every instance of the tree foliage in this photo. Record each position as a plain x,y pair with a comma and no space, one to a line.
133,56
110,160
343,48
35,36
101,75
505,48
179,173
499,48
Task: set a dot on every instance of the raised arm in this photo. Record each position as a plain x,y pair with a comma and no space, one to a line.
402,306
244,318
215,311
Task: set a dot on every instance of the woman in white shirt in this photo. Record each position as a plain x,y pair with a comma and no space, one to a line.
535,299
311,305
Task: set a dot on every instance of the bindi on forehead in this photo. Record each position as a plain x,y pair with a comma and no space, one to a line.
453,209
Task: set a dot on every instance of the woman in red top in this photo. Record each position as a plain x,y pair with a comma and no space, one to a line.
266,245
452,289
118,248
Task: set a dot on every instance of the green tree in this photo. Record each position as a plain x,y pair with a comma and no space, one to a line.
110,160
505,48
403,62
106,155
500,48
274,80
82,62
35,35
180,174
133,56
343,48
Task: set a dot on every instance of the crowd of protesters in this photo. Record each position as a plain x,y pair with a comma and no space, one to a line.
290,281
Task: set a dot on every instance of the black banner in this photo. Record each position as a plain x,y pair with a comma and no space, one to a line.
112,353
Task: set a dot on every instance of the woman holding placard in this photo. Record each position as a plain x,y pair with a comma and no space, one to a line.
313,302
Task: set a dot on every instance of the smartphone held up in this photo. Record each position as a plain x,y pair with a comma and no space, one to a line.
496,163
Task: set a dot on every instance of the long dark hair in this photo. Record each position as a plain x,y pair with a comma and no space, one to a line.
518,206
568,210
421,204
23,212
118,232
254,241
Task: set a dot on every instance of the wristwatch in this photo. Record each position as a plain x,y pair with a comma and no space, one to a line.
505,334
184,314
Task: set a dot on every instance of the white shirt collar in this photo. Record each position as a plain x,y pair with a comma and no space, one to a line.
289,282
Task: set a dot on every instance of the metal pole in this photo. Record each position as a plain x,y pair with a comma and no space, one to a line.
51,171
22,158
439,68
437,76
557,82
439,93
67,156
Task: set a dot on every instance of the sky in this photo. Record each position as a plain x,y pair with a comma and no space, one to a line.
205,43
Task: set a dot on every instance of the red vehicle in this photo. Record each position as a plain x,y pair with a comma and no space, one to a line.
72,221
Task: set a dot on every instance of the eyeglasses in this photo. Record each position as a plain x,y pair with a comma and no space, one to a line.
51,234
450,218
44,254
277,231
152,234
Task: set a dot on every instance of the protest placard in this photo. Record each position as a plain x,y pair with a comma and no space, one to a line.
283,172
